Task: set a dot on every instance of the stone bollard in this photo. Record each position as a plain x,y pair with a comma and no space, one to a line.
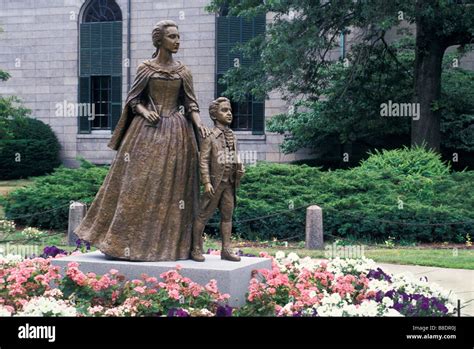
314,228
77,211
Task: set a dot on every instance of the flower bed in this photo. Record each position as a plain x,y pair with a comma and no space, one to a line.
294,287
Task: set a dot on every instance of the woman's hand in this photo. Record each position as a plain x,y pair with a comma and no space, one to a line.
151,116
204,131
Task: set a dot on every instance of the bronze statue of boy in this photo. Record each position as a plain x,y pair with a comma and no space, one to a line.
221,171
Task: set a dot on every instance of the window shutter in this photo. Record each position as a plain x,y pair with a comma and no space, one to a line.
116,103
258,118
222,36
101,48
96,61
259,25
85,50
247,32
229,32
101,55
117,58
84,97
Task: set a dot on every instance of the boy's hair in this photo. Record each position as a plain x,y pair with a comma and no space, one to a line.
214,106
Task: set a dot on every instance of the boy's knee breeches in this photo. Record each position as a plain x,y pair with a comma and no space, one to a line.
223,199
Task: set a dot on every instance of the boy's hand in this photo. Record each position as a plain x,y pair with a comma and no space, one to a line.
209,189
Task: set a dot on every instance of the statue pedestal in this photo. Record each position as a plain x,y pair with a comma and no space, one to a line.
232,277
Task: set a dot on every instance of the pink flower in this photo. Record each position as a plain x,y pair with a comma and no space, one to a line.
211,286
113,271
174,294
73,265
139,289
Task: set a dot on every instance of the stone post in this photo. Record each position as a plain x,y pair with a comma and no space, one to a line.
314,228
77,211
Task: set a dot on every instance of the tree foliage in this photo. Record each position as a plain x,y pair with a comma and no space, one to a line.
297,59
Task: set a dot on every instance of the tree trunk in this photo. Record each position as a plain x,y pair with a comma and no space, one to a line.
428,58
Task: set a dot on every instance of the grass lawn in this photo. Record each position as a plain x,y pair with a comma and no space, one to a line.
433,257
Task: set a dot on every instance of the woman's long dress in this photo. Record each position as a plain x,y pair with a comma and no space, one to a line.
145,208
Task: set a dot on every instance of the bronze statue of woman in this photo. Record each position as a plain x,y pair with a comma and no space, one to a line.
144,210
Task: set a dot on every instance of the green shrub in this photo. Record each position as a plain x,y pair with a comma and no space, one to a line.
365,203
53,194
357,203
415,161
28,147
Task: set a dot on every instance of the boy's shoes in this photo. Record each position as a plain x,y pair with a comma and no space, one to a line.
196,255
228,255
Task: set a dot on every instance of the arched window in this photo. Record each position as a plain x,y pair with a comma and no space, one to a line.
102,11
100,65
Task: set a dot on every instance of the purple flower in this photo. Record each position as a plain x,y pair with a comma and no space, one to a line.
224,311
52,251
398,306
425,304
379,296
405,297
80,242
177,312
379,274
441,307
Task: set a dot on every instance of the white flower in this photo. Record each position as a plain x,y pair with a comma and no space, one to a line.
293,257
32,233
96,309
46,306
11,259
4,312
286,310
392,312
379,285
55,292
387,302
204,312
280,255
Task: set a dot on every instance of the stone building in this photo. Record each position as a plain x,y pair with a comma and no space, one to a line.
65,55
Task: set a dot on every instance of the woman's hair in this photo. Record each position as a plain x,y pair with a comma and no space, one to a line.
159,31
214,106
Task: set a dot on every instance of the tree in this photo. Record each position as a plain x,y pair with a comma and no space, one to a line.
10,108
296,51
355,119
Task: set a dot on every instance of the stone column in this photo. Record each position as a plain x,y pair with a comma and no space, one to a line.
314,228
77,211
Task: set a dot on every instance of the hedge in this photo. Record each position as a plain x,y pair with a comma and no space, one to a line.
391,194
